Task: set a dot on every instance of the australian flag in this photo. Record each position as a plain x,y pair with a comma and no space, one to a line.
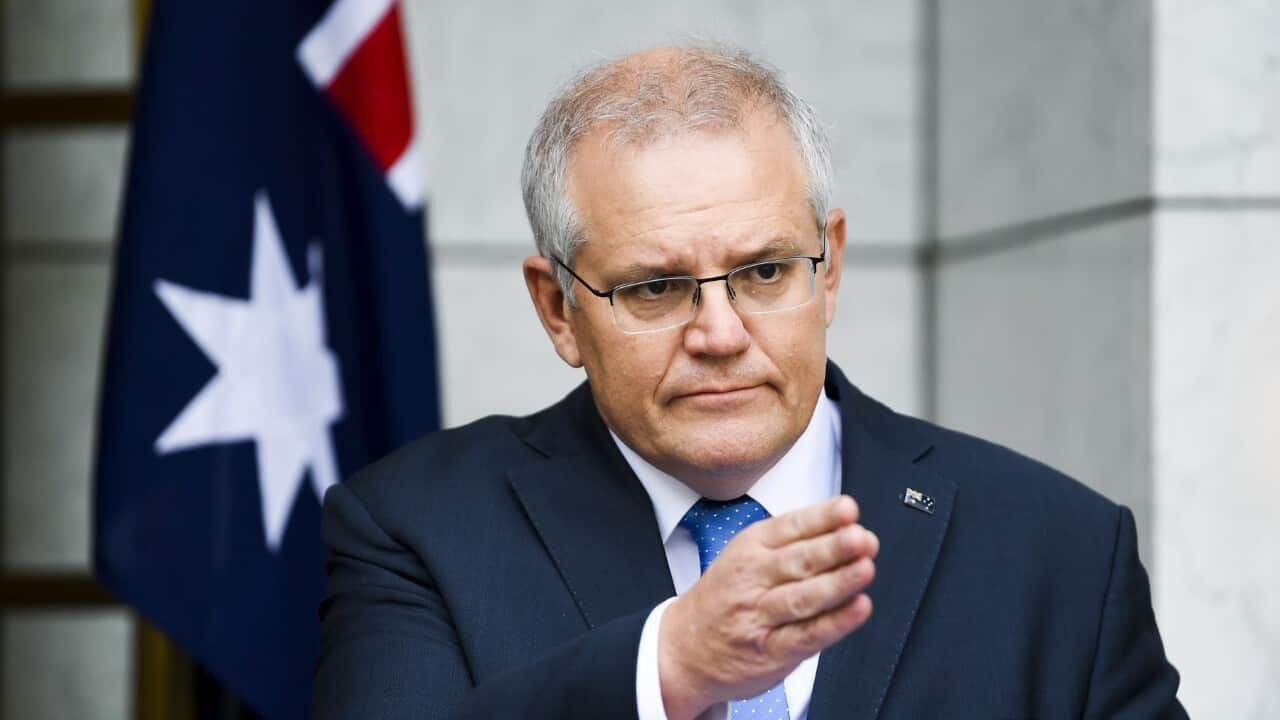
270,329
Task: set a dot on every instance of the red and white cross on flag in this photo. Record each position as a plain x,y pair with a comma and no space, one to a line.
355,56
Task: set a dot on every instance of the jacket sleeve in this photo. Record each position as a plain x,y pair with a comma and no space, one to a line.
1131,678
389,648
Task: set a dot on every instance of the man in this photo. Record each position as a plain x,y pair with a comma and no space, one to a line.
695,530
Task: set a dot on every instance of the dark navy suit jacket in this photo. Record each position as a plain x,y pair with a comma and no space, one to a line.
505,569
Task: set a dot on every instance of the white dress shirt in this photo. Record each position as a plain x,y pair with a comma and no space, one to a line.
806,475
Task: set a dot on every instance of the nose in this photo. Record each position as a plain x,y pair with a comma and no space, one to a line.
716,329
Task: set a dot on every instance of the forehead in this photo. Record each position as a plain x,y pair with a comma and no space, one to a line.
694,197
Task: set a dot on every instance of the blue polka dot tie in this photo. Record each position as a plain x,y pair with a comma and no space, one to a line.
713,523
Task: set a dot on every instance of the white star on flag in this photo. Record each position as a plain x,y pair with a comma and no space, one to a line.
277,383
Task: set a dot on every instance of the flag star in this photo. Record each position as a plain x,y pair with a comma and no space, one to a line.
277,382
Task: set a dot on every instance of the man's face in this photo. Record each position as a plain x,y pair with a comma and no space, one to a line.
717,401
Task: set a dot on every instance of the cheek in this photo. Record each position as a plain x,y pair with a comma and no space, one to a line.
795,345
625,370
634,367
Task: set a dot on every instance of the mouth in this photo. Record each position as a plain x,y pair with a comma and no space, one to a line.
720,396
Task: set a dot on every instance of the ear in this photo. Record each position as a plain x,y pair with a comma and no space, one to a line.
835,260
553,308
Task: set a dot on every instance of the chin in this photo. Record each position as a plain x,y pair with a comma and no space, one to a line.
736,447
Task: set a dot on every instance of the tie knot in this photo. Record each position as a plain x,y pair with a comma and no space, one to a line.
713,523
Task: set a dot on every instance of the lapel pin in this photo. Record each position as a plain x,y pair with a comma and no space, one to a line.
918,500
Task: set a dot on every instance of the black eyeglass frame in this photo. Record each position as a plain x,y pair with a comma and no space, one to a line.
697,294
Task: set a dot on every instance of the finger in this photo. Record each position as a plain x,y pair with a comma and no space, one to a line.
813,596
804,638
811,556
808,522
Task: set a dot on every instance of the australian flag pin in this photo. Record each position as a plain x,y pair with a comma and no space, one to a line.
918,500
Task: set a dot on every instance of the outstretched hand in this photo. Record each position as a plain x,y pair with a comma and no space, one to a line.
782,590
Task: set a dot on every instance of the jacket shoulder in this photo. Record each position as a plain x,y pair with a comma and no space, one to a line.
1029,515
444,469
996,475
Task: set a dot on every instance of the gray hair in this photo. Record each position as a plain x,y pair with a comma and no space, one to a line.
639,101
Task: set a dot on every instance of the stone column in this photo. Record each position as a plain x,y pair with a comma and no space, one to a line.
61,189
1216,358
1106,288
1041,331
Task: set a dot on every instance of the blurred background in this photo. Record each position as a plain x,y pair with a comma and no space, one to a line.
1064,236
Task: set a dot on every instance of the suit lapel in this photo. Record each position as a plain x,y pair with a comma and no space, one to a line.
592,514
879,465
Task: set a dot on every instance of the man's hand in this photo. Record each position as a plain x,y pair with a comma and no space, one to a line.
782,590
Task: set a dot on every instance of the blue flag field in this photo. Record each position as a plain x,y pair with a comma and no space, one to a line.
270,330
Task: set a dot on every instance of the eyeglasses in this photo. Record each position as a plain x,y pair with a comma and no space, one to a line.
664,303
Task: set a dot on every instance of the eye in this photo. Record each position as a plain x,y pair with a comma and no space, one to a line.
655,289
766,271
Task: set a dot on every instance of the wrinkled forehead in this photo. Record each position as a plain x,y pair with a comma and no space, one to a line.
637,130
663,91
759,148
694,198
628,133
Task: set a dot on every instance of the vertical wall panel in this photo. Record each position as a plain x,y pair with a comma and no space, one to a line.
68,42
53,320
1217,457
68,665
495,357
875,337
1218,97
63,184
1046,348
1044,108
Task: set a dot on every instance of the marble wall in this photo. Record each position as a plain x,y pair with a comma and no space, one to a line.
1041,338
1045,347
1043,109
1217,122
85,43
1216,359
61,195
1108,289
1217,472
67,664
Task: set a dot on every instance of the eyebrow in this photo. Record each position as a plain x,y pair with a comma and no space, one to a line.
777,247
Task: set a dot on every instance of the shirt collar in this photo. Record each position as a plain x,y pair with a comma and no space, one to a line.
808,473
